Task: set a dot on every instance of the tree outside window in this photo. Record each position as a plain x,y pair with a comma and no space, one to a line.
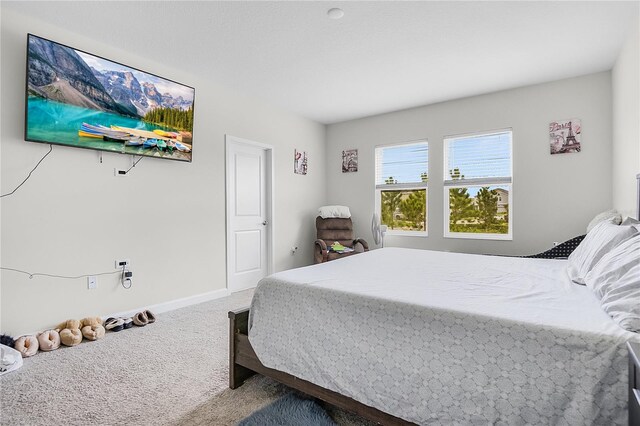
479,203
404,210
401,187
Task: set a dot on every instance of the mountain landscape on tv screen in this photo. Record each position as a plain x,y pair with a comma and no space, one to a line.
82,100
58,73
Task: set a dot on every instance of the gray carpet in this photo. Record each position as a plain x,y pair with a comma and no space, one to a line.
172,372
231,406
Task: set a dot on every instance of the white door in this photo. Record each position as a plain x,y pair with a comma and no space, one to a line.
248,208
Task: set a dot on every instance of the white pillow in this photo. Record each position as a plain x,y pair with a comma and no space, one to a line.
629,221
615,280
599,241
609,215
334,211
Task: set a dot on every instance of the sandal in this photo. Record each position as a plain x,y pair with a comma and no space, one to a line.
150,316
114,324
128,323
140,319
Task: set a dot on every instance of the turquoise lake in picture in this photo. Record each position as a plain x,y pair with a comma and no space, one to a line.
54,122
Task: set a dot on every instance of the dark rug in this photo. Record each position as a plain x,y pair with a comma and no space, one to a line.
290,410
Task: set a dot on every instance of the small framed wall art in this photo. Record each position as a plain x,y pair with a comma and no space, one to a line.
349,160
565,136
299,162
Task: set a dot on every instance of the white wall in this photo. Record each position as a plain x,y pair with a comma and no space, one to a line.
74,217
554,196
626,124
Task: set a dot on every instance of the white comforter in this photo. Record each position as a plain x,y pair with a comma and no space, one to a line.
447,338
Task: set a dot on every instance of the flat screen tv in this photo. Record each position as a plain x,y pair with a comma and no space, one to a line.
74,98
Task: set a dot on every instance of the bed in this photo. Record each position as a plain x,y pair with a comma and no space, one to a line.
404,336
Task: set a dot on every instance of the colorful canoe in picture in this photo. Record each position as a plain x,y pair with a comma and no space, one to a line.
139,133
106,133
135,141
161,144
89,135
149,143
180,136
171,135
180,146
163,140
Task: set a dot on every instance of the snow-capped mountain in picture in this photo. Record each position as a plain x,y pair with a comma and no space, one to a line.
58,73
125,89
71,76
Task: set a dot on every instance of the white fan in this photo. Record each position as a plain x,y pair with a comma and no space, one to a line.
378,230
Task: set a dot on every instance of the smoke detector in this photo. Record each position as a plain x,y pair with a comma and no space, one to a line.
335,13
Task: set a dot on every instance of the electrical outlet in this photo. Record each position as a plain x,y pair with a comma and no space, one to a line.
124,262
121,173
92,282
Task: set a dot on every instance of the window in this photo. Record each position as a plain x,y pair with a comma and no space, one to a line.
478,183
401,187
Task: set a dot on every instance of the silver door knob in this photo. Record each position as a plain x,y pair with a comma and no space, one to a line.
265,223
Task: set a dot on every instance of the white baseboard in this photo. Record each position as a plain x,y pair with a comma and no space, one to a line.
161,307
175,304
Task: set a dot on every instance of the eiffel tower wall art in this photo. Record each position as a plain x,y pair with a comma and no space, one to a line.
565,136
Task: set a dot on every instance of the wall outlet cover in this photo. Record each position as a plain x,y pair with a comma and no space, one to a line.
119,266
92,282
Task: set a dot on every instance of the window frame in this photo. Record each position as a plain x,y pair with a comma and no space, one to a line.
476,182
402,187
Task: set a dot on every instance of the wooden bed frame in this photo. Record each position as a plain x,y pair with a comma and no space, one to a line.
244,363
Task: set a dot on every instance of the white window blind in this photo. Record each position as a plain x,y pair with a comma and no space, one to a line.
402,164
479,157
478,186
401,187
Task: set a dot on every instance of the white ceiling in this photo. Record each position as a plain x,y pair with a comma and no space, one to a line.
380,57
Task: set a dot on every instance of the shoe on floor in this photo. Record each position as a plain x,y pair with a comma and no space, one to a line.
150,316
140,319
128,323
114,324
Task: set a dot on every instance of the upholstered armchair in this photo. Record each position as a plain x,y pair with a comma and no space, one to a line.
334,229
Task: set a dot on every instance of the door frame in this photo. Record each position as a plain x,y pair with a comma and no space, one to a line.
269,196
